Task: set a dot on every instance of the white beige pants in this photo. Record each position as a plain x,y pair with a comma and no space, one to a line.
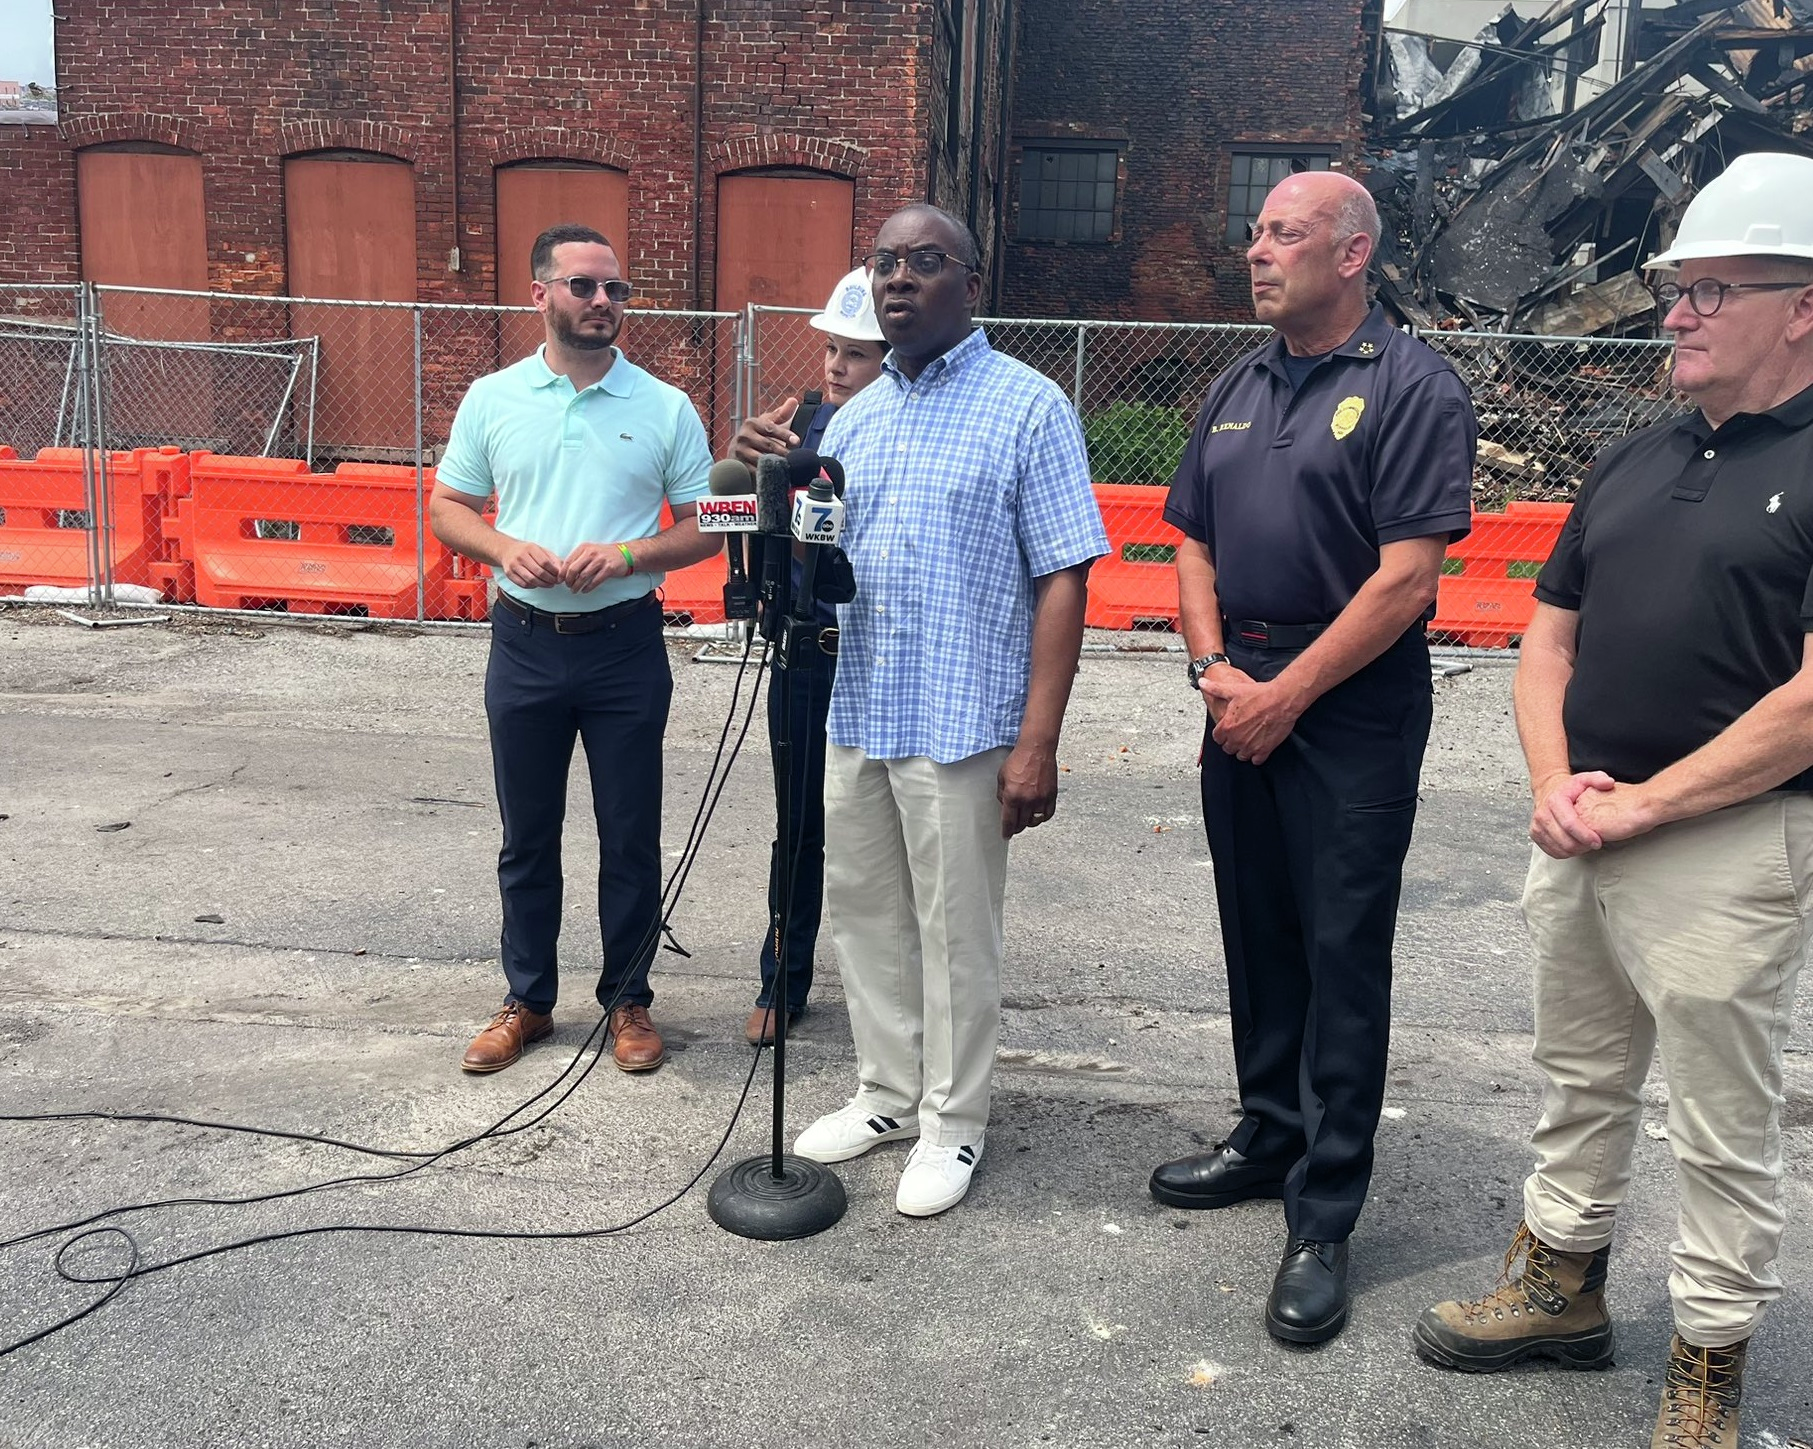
915,875
1689,938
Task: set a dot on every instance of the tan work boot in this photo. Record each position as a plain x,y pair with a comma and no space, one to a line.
1554,1308
1700,1397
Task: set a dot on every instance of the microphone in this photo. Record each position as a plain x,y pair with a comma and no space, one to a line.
773,496
774,533
818,513
731,510
803,465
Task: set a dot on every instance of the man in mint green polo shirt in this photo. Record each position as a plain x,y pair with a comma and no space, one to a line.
580,448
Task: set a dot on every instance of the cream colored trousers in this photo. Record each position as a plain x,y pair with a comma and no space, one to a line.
1688,939
915,875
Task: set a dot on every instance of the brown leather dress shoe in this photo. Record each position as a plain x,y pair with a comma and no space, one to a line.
501,1043
636,1046
759,1029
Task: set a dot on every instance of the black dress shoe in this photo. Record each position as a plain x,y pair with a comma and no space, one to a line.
1309,1295
1215,1179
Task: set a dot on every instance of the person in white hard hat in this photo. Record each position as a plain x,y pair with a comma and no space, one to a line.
853,352
1665,702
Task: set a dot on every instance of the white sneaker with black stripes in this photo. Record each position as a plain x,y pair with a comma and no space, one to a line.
849,1132
936,1178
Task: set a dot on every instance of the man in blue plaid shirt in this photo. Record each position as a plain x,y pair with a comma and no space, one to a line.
972,525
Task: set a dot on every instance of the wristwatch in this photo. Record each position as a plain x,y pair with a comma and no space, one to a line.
1200,667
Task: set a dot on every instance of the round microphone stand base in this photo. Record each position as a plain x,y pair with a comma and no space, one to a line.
750,1201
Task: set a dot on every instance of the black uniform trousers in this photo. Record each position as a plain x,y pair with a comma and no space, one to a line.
1308,850
610,688
800,699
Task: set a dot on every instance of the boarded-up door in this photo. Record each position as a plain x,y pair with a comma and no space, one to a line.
783,241
144,224
351,234
533,196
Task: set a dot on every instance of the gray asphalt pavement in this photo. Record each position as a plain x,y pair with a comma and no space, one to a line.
296,927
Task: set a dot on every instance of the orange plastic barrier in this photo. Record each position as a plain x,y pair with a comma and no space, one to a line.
44,520
1488,599
696,591
266,533
1135,586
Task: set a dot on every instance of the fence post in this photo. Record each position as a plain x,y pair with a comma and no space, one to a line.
421,529
1076,387
750,365
83,433
739,395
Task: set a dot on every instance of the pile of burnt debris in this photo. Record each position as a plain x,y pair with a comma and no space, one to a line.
1524,178
1525,182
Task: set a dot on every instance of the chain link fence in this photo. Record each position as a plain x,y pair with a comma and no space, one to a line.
275,453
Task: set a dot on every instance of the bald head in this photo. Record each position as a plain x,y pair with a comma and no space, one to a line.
1336,197
1310,250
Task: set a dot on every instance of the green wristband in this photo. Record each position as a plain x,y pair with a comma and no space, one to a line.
628,557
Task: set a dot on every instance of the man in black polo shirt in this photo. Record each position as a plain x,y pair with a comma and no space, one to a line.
1328,471
1665,702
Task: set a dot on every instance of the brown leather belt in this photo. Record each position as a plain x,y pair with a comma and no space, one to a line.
587,621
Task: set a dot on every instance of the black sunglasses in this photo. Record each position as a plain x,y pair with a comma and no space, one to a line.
586,288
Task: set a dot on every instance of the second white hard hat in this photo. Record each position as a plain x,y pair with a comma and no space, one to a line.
1761,205
851,310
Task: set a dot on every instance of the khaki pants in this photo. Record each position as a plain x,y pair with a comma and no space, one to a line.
1689,938
915,875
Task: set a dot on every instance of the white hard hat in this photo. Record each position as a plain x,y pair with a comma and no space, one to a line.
1761,205
851,310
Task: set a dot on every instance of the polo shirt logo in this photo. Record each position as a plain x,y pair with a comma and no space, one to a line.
1347,416
1774,504
1231,427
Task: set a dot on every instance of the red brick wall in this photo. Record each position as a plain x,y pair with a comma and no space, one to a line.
822,85
37,207
1178,87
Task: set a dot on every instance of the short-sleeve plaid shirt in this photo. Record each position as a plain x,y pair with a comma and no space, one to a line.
964,486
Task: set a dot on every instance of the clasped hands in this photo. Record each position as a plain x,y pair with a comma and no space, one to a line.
1252,717
1578,813
530,566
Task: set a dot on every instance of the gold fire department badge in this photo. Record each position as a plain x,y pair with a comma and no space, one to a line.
1347,416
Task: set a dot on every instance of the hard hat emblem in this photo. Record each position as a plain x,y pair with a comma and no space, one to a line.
850,303
1347,416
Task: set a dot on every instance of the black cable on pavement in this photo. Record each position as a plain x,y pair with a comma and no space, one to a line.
717,778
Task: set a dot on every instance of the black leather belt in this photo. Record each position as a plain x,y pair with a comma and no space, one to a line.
586,622
1257,634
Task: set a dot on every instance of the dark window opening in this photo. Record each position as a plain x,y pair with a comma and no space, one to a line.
1067,193
1252,175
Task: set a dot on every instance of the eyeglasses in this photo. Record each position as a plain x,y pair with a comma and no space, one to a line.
586,288
1707,295
924,262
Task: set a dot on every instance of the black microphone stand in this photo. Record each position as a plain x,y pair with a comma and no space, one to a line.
779,1195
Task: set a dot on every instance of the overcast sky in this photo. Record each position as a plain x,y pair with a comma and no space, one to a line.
25,53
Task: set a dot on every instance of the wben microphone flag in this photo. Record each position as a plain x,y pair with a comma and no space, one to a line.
727,513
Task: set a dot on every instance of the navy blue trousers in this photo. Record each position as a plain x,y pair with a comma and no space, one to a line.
804,693
1309,852
611,690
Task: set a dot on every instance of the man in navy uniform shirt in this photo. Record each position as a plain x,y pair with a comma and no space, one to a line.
1327,473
